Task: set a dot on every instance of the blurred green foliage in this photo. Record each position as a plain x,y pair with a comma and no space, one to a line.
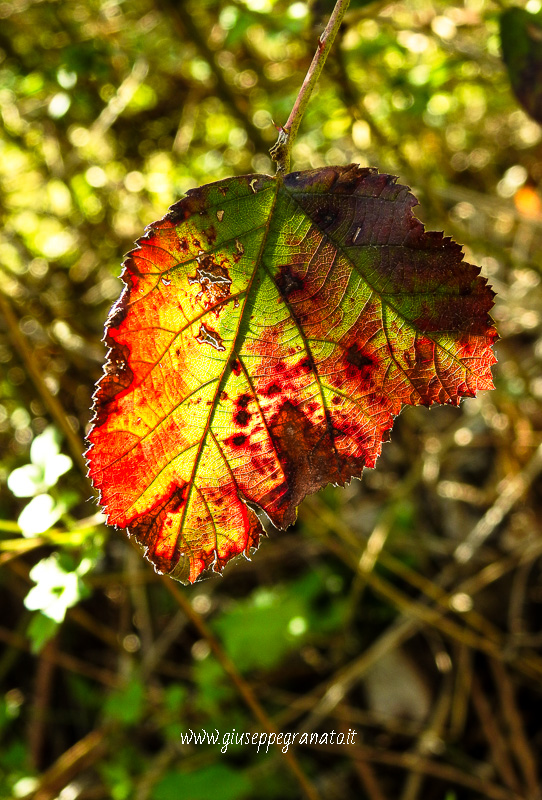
203,784
521,36
110,111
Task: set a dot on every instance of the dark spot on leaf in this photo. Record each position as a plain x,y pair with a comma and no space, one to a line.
467,348
235,366
272,390
356,357
288,281
242,417
180,212
324,217
236,441
211,234
260,466
309,461
358,364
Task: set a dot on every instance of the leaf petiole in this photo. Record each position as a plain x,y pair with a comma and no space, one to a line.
281,150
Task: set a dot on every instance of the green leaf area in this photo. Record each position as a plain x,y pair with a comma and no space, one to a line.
521,39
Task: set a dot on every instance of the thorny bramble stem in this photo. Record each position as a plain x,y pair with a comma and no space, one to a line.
281,150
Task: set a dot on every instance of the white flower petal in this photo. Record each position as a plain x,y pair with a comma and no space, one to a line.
56,467
45,446
39,515
26,481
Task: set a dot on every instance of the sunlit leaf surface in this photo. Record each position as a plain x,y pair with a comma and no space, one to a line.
268,333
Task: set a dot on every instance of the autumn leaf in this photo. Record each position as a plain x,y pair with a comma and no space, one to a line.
268,332
521,40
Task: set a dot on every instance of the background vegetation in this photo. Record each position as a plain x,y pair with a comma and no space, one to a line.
406,606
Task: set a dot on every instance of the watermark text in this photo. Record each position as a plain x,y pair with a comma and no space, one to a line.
263,740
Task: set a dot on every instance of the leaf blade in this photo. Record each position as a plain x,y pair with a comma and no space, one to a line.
291,320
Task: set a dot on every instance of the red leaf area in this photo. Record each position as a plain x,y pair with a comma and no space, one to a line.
268,332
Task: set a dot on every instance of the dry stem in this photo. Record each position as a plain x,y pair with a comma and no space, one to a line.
281,150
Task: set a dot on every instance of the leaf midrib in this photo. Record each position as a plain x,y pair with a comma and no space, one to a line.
226,371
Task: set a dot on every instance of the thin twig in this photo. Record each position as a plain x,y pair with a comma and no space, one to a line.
366,773
344,679
281,150
512,491
87,751
43,685
64,660
491,642
240,684
417,763
52,404
500,758
433,732
462,689
519,742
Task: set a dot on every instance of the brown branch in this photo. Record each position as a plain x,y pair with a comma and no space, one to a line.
54,407
43,684
519,744
416,763
498,747
491,642
64,660
71,763
240,684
